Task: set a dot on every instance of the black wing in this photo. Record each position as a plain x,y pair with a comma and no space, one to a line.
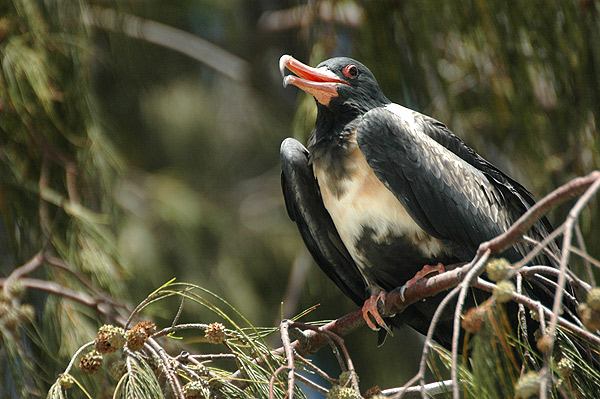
519,197
449,190
305,207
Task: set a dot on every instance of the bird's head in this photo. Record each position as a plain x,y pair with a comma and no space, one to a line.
341,84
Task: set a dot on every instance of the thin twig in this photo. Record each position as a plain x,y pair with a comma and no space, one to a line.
289,355
178,327
590,259
545,313
528,271
429,390
61,290
541,280
32,264
61,264
186,357
564,193
339,340
567,237
179,310
538,248
475,271
420,376
311,384
544,247
76,355
168,369
584,255
316,369
139,307
523,333
214,356
272,381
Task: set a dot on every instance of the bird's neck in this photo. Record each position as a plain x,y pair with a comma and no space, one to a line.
331,142
332,128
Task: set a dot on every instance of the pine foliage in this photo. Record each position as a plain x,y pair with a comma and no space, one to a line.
57,176
485,72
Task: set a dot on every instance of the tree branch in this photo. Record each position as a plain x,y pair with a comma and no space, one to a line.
175,39
562,194
57,289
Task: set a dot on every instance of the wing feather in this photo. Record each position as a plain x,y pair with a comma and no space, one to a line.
305,207
463,202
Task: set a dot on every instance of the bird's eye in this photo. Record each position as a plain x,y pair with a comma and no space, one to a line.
350,71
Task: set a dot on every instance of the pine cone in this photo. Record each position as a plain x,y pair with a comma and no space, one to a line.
110,338
473,319
497,269
589,317
138,335
215,333
66,381
565,367
543,344
528,385
503,291
148,326
339,392
593,299
194,390
91,362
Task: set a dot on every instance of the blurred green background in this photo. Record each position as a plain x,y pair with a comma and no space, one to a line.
180,155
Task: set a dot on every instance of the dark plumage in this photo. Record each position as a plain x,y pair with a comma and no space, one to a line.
383,190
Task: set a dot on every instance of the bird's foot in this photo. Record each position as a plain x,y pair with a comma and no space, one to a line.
370,309
425,272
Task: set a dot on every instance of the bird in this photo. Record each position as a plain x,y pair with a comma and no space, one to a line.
380,191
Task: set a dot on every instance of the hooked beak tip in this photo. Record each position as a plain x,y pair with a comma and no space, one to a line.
283,61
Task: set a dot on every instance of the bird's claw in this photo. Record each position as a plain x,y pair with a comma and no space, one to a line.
370,309
425,272
402,291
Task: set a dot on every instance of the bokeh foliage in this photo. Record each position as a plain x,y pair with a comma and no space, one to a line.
519,82
135,164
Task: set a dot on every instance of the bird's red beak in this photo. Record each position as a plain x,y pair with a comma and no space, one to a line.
321,83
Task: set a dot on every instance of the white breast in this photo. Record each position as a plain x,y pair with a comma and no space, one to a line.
364,201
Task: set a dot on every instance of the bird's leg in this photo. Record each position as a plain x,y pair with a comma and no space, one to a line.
370,309
426,271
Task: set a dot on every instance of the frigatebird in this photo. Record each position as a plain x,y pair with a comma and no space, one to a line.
381,190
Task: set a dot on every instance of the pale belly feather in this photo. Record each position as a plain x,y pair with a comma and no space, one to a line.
361,200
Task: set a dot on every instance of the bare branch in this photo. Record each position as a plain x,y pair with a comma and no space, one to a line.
178,327
76,355
57,289
289,354
569,223
338,339
431,389
564,193
587,259
473,274
167,367
304,15
31,265
545,313
186,43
